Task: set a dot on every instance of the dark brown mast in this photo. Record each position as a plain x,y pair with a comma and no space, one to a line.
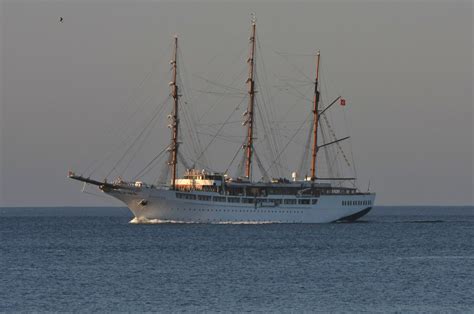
175,120
250,111
315,120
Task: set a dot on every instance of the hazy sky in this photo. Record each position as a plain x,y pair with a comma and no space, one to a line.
406,69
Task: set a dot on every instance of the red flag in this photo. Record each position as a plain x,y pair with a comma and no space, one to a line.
343,102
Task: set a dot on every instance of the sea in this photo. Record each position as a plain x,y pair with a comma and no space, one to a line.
394,260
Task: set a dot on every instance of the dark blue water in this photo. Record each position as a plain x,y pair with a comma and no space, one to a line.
396,260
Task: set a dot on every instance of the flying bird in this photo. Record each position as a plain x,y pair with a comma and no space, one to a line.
61,19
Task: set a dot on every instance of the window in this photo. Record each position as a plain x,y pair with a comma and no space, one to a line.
290,201
303,201
204,198
248,200
219,199
314,201
233,199
186,196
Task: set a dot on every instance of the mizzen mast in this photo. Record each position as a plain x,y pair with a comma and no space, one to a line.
250,110
174,117
315,120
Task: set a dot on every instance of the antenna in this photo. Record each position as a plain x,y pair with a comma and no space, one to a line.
253,17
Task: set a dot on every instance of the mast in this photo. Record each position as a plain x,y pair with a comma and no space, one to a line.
250,109
315,120
174,117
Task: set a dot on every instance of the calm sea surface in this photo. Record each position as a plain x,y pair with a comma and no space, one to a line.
409,259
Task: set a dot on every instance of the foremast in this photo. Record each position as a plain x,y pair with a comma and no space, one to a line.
315,120
250,110
174,117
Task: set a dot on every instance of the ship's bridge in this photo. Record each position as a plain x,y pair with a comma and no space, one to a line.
194,179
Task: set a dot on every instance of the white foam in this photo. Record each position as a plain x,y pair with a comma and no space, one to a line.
144,220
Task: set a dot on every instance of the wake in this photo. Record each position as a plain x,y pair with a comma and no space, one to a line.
146,221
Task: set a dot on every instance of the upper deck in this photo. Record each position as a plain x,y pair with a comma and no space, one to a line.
195,180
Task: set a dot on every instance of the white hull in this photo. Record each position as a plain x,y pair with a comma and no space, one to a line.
162,204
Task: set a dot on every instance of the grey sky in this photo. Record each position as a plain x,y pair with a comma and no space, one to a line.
406,69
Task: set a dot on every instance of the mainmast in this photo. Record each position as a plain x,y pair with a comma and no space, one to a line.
250,109
315,120
174,117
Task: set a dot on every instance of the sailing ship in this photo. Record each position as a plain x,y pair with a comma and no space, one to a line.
203,196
